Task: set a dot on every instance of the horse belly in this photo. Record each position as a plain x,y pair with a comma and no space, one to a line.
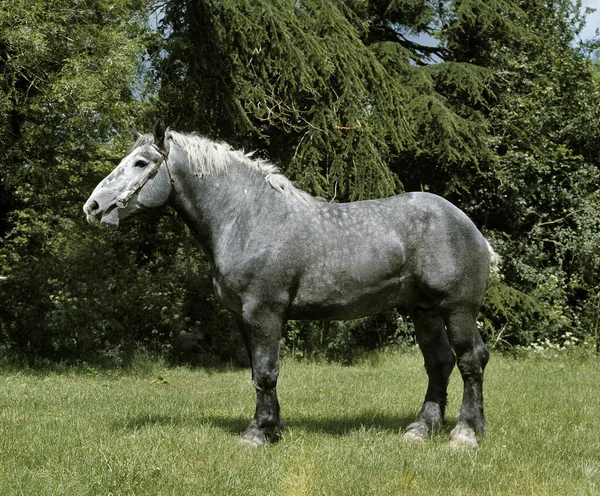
335,296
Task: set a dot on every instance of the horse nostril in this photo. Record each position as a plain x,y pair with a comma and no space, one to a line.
91,207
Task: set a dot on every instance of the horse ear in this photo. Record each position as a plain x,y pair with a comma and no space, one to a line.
159,133
135,133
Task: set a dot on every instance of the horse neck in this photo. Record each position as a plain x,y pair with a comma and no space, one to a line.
214,205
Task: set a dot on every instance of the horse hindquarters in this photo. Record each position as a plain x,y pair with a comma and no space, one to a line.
455,270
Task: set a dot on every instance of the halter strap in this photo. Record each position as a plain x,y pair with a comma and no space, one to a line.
164,154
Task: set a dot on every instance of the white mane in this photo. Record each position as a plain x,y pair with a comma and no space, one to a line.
208,157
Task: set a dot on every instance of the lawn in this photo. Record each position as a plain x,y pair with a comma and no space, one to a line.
155,430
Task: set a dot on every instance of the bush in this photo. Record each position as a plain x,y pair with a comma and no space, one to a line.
102,296
344,341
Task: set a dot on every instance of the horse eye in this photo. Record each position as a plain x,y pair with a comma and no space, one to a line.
141,164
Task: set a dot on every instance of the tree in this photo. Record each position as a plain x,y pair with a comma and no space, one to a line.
68,77
539,194
322,87
500,116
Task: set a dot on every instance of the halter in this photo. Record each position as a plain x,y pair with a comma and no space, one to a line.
122,203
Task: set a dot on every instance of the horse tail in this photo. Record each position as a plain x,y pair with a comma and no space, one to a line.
495,258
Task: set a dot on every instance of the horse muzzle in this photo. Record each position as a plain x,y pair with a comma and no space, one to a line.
98,216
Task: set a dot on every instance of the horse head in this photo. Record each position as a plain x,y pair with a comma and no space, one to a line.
142,181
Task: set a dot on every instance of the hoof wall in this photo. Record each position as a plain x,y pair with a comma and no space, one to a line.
416,433
412,437
463,437
253,438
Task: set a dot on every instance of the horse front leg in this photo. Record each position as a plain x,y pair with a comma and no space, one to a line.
439,362
472,357
263,331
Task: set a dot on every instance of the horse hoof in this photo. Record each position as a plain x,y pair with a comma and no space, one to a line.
253,438
416,433
412,437
463,437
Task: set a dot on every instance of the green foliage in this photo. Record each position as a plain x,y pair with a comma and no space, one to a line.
540,194
299,83
501,117
67,80
346,341
338,105
62,311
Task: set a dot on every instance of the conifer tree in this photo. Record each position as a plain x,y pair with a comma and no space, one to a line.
330,90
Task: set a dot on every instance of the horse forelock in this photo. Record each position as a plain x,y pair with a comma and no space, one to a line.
207,157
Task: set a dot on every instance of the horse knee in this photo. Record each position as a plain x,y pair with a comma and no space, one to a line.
264,381
439,365
265,367
447,362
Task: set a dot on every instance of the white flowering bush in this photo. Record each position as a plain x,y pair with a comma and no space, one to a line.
566,344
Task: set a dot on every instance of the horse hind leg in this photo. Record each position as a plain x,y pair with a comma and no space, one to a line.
472,357
439,362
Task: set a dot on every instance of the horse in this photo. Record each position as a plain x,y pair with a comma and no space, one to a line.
278,253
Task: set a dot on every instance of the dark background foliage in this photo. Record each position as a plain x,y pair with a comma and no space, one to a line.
501,115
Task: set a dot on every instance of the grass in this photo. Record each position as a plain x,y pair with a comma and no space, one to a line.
154,430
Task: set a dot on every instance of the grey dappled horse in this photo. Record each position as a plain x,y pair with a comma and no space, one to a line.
278,253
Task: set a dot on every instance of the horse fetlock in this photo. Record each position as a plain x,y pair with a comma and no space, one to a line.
432,415
472,417
268,422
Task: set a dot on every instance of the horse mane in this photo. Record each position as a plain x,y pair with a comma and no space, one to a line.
209,157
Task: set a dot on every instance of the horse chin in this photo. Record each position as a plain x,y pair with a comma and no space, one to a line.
110,220
94,221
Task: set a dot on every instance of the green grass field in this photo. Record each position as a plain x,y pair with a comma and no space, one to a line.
154,430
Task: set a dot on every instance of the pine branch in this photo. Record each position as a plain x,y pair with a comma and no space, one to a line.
386,33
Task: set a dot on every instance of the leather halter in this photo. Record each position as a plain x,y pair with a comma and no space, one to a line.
122,203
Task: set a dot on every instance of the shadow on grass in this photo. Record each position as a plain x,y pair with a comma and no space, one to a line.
346,424
332,426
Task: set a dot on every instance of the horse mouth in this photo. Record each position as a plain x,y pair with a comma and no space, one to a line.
107,220
94,221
